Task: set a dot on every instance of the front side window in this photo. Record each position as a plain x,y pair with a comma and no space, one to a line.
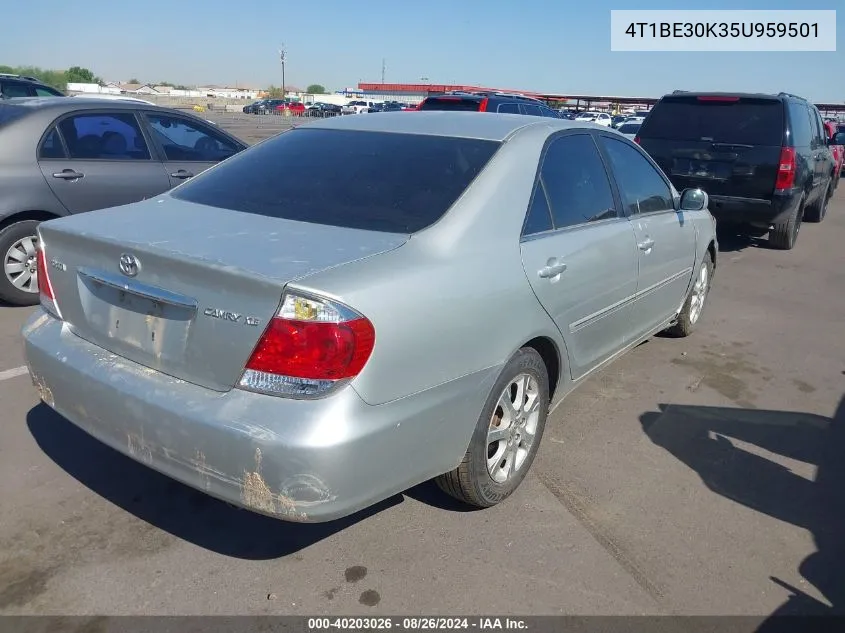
398,183
532,110
509,108
41,91
184,140
643,189
112,136
576,182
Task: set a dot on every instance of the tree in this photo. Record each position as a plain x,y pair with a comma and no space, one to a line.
79,75
316,89
55,78
274,93
135,80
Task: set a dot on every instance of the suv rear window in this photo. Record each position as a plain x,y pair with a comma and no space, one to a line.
451,103
748,121
378,181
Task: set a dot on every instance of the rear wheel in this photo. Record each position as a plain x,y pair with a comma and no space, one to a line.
817,212
784,234
19,281
507,434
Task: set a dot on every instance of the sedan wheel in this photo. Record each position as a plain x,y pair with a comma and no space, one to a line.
18,246
690,313
507,434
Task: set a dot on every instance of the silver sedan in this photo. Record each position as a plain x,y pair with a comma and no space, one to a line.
364,303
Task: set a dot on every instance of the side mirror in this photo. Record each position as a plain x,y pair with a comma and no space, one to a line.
694,200
838,139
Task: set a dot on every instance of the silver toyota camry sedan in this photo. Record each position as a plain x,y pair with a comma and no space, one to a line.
361,304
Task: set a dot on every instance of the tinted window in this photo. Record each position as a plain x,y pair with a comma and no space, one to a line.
629,128
13,90
51,146
549,113
539,217
509,108
41,91
451,103
114,136
819,127
532,110
643,189
185,140
576,182
748,121
799,117
398,183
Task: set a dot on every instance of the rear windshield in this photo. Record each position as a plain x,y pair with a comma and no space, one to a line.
451,103
397,183
748,121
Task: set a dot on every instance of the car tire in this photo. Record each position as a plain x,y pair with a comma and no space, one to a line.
481,479
784,234
690,314
11,238
817,212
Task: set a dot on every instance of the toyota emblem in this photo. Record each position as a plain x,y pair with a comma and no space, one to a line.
129,266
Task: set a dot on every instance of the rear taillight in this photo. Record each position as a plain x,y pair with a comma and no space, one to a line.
482,107
786,169
45,288
311,347
637,139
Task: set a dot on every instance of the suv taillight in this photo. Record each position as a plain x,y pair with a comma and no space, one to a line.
637,139
482,107
312,346
45,289
786,169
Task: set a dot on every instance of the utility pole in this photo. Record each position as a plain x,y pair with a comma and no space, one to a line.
282,56
383,68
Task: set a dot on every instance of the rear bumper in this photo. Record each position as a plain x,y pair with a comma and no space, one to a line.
753,211
295,460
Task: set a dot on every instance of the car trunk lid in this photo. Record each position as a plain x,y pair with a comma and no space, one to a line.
189,298
726,145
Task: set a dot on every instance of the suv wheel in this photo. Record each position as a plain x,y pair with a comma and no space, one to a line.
784,234
817,212
19,278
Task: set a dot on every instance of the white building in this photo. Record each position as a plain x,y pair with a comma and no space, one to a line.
108,89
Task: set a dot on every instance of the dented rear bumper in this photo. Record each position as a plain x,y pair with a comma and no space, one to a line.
297,460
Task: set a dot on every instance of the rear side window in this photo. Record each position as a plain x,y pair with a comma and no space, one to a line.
451,103
745,120
509,108
643,189
576,182
397,183
799,118
51,146
12,90
532,110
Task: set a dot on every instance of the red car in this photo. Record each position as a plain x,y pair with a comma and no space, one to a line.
838,151
293,107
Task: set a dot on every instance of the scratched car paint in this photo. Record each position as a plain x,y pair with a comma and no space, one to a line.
306,342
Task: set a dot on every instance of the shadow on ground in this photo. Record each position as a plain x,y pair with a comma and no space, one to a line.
701,437
171,506
730,242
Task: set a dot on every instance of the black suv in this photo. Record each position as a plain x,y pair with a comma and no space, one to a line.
12,86
488,102
763,159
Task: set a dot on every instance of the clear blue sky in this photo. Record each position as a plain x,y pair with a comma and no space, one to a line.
522,44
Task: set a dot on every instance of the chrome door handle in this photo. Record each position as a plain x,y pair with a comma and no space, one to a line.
181,174
68,174
646,244
552,270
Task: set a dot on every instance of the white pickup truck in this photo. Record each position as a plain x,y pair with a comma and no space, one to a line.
358,107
